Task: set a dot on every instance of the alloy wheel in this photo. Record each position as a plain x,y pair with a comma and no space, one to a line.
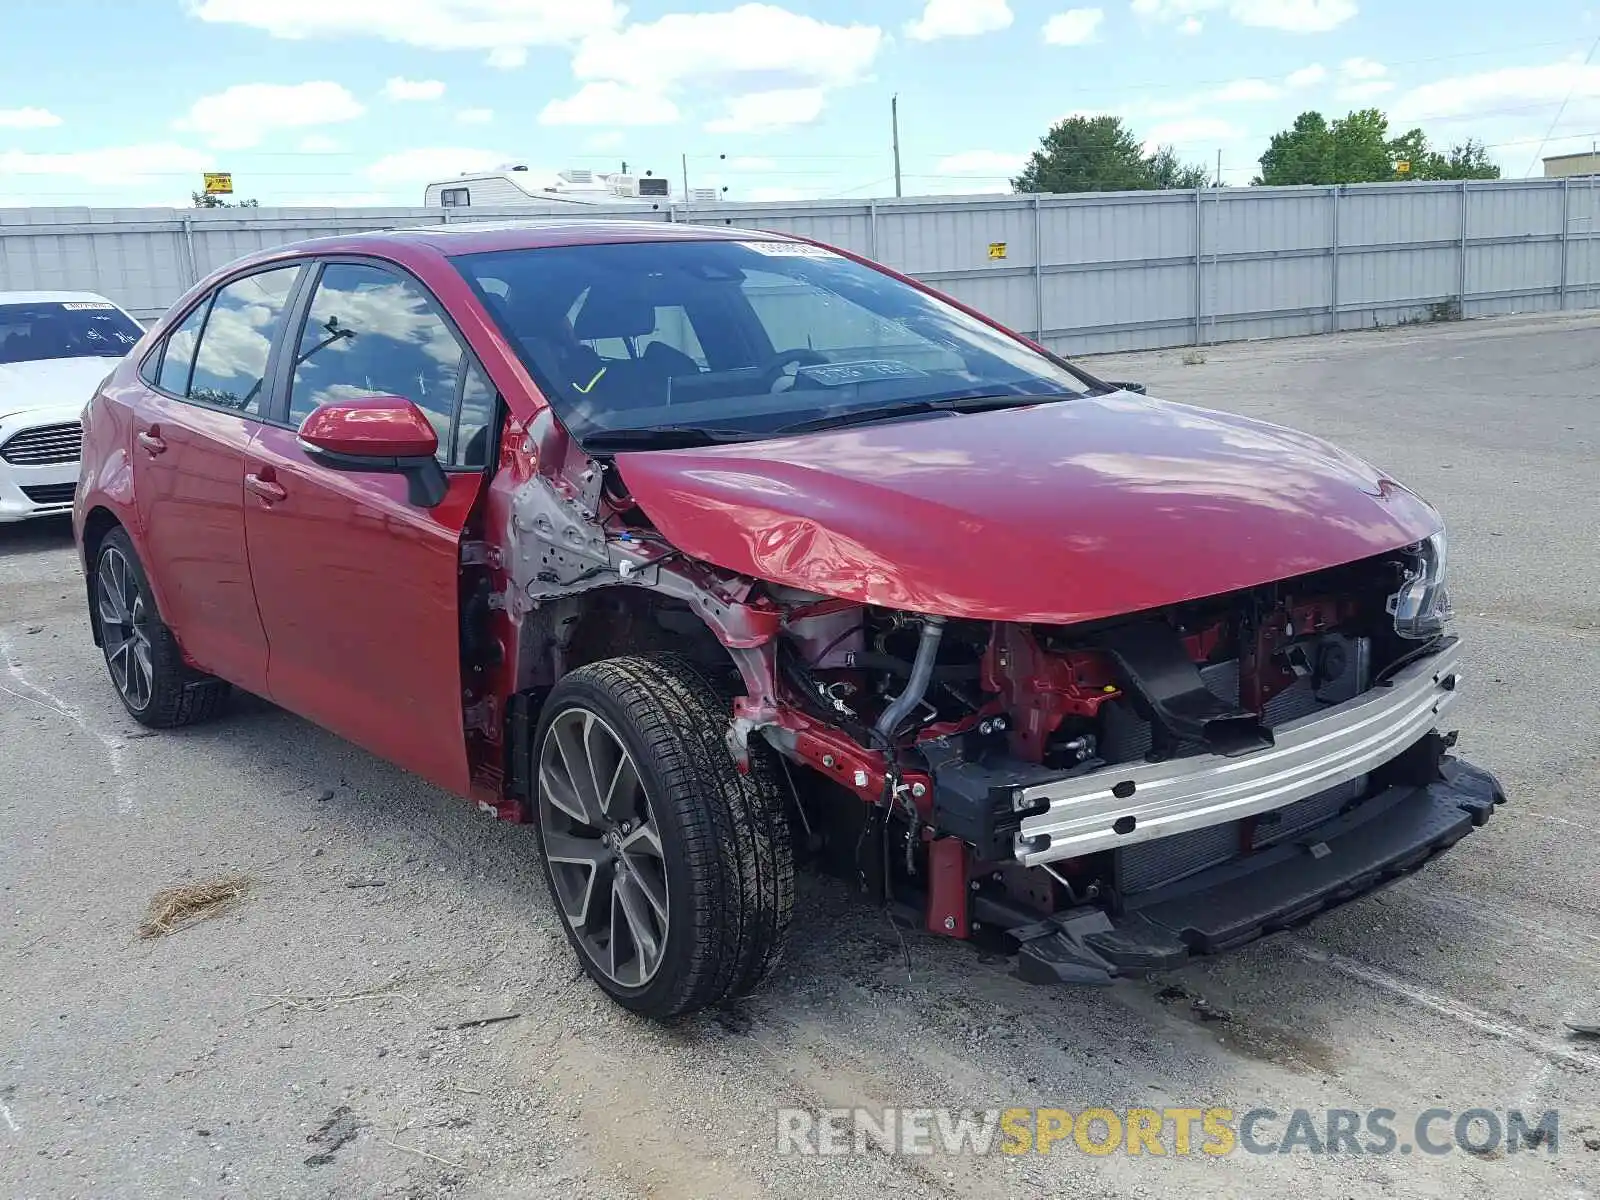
124,628
602,846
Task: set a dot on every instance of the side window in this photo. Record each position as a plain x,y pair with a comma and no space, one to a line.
371,332
179,355
230,366
473,425
150,368
455,198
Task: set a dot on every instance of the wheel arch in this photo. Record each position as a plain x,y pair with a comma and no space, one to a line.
97,523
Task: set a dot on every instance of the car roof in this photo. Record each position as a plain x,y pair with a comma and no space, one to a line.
52,298
480,237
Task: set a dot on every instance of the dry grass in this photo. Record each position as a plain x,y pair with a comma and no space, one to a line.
175,908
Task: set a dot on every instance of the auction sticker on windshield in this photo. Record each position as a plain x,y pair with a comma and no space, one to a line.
86,306
790,249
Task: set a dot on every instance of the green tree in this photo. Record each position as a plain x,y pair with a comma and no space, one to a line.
1101,154
1167,172
1469,160
1357,148
201,200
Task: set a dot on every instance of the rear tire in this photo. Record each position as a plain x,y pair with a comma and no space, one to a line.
671,870
145,662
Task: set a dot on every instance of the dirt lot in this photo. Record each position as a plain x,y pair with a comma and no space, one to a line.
304,1042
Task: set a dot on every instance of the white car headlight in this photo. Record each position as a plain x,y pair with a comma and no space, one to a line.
1421,607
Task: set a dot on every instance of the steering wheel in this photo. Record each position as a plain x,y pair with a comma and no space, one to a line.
772,369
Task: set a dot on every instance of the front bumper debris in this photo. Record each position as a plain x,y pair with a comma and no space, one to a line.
1123,805
1382,839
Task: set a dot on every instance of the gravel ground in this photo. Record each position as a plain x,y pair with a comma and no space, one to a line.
304,1042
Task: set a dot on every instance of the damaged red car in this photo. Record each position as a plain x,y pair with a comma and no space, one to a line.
710,550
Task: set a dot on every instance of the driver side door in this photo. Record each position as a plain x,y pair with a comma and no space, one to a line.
358,586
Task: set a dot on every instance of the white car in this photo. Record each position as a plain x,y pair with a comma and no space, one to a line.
55,347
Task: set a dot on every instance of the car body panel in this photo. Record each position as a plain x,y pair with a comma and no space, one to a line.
55,387
189,498
357,591
1056,513
35,395
45,392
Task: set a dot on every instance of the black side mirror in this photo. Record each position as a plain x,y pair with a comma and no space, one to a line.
1126,387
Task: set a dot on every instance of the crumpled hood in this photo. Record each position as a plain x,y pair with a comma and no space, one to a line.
1059,513
53,383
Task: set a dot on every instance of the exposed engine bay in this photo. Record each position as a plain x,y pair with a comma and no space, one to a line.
992,776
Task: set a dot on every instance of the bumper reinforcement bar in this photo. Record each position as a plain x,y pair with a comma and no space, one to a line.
1140,801
1380,841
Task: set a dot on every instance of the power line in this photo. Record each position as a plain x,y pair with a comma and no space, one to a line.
1572,87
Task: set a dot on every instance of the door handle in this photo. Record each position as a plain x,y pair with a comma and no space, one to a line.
151,441
265,488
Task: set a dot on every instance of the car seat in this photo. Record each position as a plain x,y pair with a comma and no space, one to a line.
638,381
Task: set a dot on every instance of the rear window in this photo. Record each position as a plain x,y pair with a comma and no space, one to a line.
70,329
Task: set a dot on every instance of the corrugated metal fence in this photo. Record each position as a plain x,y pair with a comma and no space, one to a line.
1087,273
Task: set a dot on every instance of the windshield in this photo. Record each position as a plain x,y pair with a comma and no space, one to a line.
724,339
69,329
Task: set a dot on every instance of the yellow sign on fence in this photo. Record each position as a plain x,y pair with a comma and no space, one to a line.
218,183
997,249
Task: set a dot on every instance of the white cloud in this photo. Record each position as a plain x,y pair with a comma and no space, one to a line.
1191,26
610,103
1362,80
110,165
426,164
507,58
1243,91
606,141
475,116
1192,131
1362,68
1509,87
761,111
754,42
399,88
1360,93
1291,16
28,118
959,18
1294,16
1074,27
1307,76
319,143
986,164
241,115
500,26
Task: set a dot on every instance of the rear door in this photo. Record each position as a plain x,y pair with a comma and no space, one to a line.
357,587
198,411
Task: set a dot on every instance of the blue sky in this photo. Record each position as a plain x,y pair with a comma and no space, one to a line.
123,102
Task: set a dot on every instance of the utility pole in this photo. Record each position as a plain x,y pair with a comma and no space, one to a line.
685,179
894,117
1219,167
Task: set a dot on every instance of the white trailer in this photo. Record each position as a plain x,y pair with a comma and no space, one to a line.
515,186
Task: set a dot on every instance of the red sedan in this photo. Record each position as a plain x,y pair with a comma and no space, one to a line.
708,549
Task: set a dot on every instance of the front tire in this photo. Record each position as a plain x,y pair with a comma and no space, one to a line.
142,656
672,871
